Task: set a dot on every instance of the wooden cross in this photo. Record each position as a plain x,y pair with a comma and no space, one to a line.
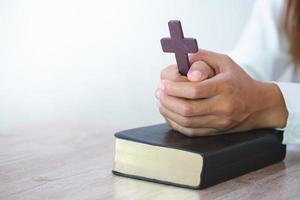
179,45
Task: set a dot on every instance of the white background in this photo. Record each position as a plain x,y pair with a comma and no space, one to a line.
94,61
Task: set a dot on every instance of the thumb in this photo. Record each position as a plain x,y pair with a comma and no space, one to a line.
211,58
200,71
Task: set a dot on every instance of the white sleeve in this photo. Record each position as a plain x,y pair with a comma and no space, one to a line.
259,43
291,94
260,50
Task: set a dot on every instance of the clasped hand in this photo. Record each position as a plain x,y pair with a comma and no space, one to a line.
217,97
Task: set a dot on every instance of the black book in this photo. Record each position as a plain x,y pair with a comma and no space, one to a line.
158,154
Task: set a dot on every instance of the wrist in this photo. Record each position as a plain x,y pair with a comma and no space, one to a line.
272,112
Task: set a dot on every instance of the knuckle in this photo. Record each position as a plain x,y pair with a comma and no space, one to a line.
187,109
227,57
228,60
228,109
186,122
226,124
194,92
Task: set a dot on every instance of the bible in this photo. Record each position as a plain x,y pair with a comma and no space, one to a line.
158,154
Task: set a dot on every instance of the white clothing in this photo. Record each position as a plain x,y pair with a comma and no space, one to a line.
263,53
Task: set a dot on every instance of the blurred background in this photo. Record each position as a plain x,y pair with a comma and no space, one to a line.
97,61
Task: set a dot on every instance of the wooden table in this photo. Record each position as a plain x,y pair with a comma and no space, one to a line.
74,161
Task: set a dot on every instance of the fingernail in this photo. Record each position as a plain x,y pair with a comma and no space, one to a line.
161,85
196,75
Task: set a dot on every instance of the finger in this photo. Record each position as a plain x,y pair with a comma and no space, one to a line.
169,122
188,108
171,73
213,59
207,121
200,71
191,132
241,127
166,119
191,90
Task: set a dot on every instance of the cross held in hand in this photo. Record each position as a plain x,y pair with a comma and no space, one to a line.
179,45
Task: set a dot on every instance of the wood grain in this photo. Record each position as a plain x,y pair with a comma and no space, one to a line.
74,161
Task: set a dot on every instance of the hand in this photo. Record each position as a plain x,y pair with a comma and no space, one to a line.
199,71
230,101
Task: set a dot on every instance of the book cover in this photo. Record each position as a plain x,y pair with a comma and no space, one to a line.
158,154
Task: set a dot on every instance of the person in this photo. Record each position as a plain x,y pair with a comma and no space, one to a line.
255,86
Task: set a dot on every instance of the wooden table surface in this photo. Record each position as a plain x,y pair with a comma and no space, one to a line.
74,161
